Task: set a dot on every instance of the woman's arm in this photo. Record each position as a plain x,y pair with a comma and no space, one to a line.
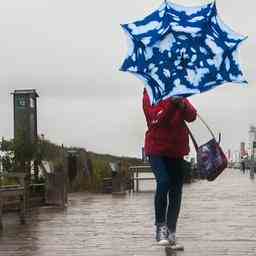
157,115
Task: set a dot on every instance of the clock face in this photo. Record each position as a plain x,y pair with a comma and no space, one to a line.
21,102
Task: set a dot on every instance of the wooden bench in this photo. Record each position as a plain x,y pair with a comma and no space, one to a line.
17,191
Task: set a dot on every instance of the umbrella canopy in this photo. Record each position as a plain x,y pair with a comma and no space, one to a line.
181,51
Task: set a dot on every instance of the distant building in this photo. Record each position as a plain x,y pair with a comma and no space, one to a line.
252,138
144,158
243,151
229,155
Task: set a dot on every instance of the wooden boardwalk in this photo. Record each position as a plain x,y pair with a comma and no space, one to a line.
217,219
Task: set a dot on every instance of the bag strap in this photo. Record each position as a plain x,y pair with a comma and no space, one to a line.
208,128
192,138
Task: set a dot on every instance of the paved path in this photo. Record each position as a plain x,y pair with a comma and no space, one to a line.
217,219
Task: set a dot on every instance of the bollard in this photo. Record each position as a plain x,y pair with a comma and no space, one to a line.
252,171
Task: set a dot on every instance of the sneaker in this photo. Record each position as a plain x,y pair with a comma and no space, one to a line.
177,247
171,237
162,235
173,243
170,250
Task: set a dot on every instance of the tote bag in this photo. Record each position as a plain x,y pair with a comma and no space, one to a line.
211,160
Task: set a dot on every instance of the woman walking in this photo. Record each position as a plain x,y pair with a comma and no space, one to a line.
166,144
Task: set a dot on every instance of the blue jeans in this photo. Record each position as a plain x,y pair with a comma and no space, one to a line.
169,179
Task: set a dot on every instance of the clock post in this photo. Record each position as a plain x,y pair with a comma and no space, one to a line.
25,114
25,133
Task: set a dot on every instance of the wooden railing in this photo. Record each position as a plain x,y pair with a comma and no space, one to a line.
135,177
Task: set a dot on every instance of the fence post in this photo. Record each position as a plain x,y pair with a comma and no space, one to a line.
137,179
1,213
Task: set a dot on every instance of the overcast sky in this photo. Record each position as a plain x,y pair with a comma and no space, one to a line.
70,52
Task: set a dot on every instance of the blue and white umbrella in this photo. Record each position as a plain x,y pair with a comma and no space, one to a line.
181,51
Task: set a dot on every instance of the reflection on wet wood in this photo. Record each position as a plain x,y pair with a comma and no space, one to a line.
217,219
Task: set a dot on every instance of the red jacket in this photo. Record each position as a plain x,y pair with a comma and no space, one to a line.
167,134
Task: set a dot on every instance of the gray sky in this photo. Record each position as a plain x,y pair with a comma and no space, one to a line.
70,52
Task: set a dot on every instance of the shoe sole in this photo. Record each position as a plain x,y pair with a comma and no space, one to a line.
163,243
175,247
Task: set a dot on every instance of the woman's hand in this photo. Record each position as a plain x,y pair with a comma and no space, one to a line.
179,103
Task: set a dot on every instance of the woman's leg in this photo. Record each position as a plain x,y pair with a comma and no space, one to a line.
175,193
159,167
